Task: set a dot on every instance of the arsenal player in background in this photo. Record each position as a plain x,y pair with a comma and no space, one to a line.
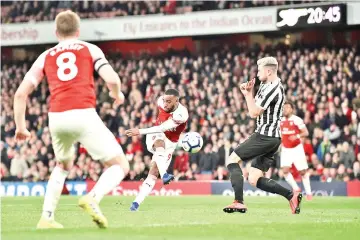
292,152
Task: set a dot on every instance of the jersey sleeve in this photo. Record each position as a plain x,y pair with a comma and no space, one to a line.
36,73
159,102
180,116
264,99
98,57
299,122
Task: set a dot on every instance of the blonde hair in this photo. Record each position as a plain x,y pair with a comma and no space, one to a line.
67,23
268,61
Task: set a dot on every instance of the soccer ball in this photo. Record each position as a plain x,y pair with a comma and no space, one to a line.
192,142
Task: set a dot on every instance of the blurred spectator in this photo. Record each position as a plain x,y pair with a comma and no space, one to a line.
181,162
347,156
35,11
221,174
184,176
224,152
355,174
323,148
208,160
333,133
341,173
18,166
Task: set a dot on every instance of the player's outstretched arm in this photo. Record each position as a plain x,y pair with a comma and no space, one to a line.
165,126
171,123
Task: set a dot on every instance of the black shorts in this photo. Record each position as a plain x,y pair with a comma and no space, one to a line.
261,148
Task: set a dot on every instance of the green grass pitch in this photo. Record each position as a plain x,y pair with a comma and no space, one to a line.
187,217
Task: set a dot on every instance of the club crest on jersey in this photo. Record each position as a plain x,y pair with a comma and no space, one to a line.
173,130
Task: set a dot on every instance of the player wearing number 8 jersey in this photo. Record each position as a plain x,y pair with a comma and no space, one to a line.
69,68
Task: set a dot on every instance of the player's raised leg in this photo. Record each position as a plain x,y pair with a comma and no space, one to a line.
256,179
160,157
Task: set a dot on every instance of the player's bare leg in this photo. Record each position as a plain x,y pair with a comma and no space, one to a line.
290,179
256,179
117,169
52,195
146,187
306,182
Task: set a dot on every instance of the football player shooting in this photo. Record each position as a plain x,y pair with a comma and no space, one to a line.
161,140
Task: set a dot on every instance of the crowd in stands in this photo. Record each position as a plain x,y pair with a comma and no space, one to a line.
35,11
324,84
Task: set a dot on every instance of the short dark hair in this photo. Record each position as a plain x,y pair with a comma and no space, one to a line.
290,103
172,91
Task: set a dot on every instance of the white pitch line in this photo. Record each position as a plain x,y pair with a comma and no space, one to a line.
173,224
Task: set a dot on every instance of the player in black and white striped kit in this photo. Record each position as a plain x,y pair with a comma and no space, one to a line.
266,107
268,123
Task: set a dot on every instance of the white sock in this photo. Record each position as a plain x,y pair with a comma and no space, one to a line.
160,159
290,179
107,182
53,192
146,188
306,183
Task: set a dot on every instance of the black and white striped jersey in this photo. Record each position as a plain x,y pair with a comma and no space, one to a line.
271,98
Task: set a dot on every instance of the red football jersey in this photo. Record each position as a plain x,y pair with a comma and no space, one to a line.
180,116
291,127
69,68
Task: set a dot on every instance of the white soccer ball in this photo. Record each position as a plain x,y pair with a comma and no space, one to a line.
192,142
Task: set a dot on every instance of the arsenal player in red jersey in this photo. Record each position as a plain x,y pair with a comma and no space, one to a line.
161,141
68,68
292,130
